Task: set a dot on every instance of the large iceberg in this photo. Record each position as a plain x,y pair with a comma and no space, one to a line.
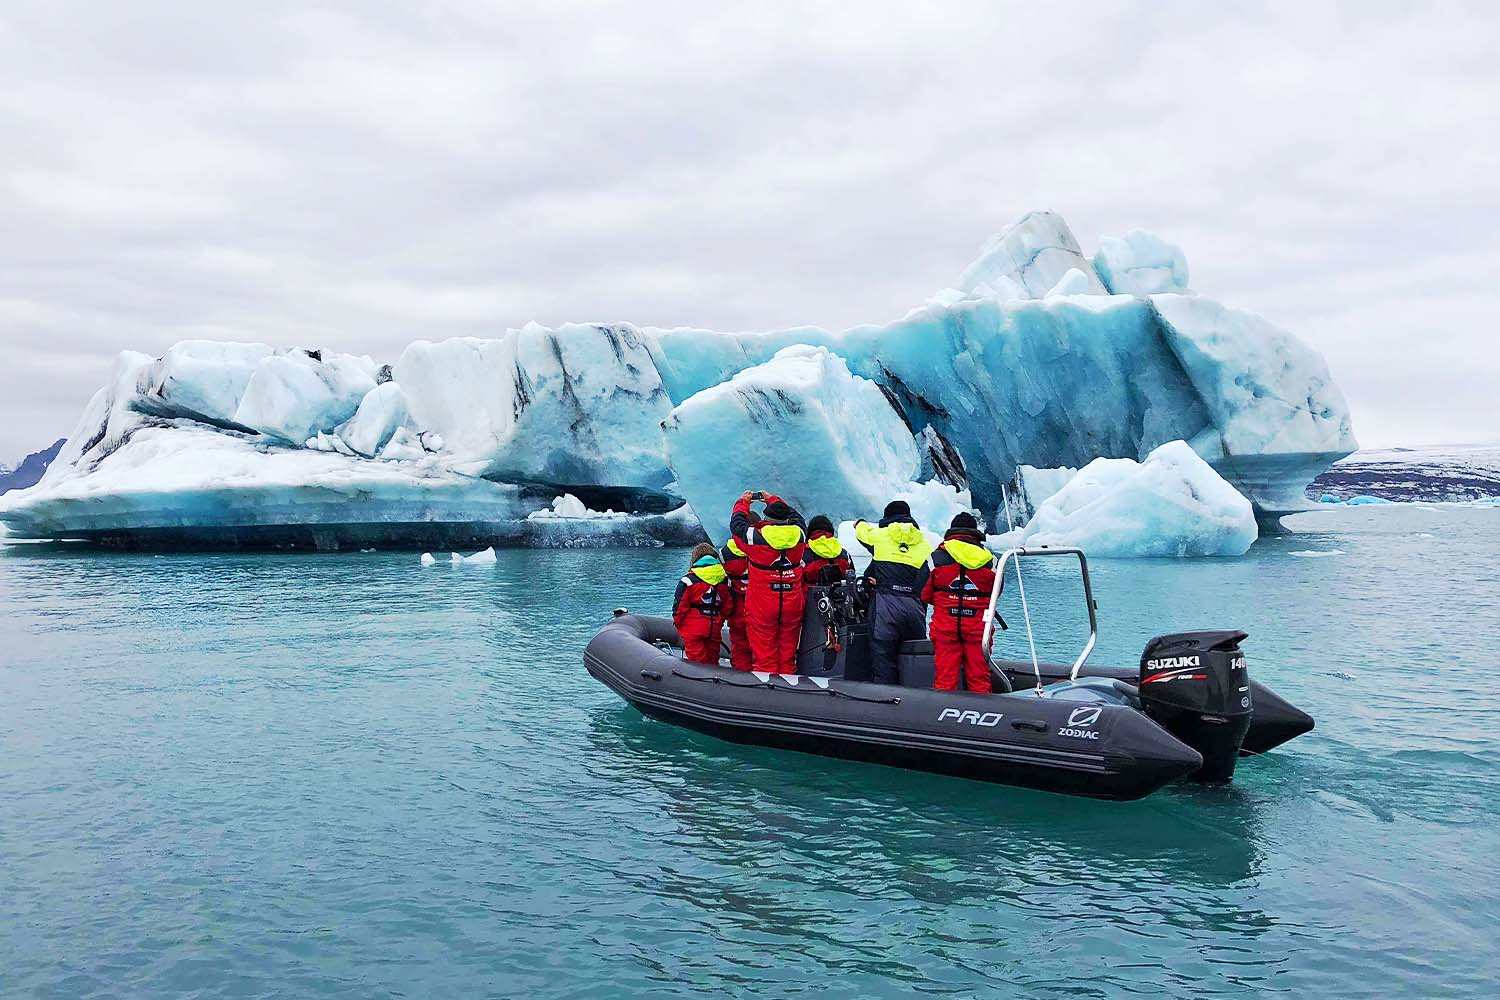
133,476
1029,360
1172,504
1010,378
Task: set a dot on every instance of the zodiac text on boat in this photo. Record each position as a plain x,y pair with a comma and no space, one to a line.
1080,718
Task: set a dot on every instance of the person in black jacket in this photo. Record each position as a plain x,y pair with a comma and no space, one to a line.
897,573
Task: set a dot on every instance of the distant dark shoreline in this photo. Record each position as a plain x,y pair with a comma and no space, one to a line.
30,471
1450,473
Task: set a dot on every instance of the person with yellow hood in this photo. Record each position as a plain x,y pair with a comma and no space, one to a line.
899,564
963,574
774,542
825,560
701,604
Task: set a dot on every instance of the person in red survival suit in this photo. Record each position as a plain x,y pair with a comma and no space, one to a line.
825,561
775,594
958,590
737,565
702,602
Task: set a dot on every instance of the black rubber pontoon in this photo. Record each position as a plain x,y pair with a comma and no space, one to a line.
1099,750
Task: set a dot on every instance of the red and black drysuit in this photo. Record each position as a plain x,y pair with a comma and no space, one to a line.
698,610
958,590
737,565
775,593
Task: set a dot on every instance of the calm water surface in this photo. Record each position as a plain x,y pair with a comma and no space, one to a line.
346,775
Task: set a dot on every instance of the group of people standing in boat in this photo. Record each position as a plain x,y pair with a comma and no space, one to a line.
758,582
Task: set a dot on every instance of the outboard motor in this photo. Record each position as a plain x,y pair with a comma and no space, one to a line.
1196,687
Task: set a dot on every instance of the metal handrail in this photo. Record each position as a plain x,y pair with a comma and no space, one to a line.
1088,600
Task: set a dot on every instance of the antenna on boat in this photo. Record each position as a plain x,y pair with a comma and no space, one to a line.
1010,522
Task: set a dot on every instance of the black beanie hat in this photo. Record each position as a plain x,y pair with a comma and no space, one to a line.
965,522
897,510
820,523
777,510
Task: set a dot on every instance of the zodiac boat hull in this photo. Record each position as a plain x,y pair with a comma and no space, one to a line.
1106,751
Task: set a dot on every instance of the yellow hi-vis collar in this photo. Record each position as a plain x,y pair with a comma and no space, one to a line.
713,574
967,554
826,547
780,536
734,547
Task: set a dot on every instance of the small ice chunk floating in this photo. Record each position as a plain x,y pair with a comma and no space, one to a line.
1188,710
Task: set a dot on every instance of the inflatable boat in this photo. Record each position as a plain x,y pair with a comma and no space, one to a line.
1189,711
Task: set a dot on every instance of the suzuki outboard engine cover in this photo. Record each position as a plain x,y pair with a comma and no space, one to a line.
1195,685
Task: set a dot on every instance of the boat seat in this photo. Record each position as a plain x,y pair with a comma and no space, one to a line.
915,669
1094,691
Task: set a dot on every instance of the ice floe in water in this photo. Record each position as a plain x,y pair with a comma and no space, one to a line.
569,508
1172,504
1316,553
428,559
483,558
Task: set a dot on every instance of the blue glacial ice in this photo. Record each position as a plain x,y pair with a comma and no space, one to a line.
1141,263
132,475
1045,382
803,426
581,404
1027,361
1171,504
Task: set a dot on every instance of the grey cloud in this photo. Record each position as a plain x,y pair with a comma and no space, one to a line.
358,178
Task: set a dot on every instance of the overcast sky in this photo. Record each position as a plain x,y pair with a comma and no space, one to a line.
354,178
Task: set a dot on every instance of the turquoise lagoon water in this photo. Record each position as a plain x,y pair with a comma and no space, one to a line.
347,775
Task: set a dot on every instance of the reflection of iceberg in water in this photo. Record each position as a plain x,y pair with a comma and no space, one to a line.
937,840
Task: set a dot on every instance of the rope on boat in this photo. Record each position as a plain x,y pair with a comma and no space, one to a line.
794,688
